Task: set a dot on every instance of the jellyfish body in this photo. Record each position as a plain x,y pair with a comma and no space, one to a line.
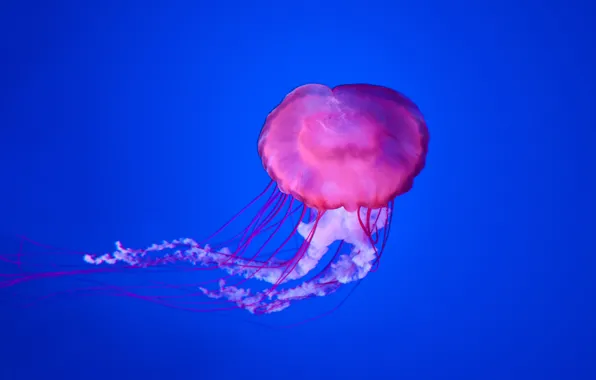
337,159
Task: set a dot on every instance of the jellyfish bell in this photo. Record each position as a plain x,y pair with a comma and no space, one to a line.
337,157
351,146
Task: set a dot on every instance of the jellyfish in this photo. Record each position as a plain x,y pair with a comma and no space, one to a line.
337,158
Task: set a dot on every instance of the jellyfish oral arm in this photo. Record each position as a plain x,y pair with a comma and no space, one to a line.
328,227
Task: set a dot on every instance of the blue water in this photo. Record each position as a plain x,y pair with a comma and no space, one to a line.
137,121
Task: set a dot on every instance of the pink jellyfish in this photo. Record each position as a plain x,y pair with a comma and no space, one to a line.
337,159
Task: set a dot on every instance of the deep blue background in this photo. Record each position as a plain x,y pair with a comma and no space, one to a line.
138,121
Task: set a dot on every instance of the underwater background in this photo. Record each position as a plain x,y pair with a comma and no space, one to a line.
137,121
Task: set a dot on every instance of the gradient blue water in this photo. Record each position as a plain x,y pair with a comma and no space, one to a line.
138,121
